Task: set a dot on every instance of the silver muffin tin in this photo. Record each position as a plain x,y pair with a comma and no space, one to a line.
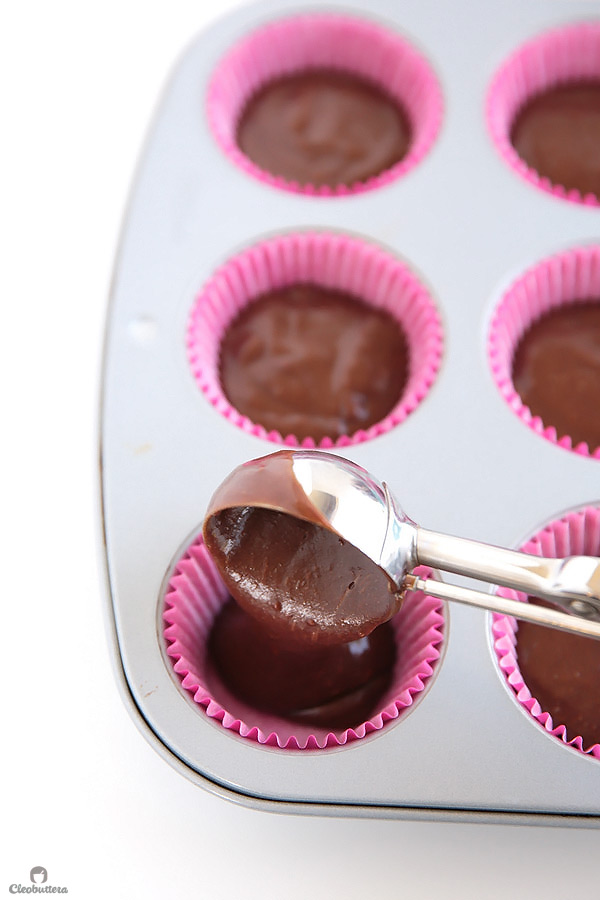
461,463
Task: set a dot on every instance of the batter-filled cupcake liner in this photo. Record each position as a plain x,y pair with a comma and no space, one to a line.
325,41
332,261
562,56
569,277
194,596
576,533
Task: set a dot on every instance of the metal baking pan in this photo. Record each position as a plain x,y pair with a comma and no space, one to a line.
467,226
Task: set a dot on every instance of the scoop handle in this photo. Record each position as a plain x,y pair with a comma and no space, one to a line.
528,612
573,583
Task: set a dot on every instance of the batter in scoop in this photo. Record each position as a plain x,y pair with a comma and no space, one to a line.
302,583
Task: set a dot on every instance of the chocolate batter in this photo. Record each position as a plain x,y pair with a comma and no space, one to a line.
300,582
558,135
334,687
562,671
323,127
556,371
313,362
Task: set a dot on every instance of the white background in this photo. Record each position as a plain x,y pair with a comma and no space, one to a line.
85,796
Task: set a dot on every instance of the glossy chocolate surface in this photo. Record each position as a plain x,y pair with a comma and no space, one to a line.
323,127
334,687
300,581
313,362
556,371
558,134
562,671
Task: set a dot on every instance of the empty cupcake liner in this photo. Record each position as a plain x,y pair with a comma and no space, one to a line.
569,277
557,57
194,596
330,41
576,533
332,261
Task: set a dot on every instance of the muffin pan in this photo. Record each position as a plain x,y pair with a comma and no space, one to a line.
464,230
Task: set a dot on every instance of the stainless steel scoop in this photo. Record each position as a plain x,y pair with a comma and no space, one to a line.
339,495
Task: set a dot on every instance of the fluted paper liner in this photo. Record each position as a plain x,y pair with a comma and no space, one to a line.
317,41
332,261
557,57
194,596
576,533
569,277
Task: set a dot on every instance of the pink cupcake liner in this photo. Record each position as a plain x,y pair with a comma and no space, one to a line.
576,533
331,41
331,261
569,277
194,596
557,57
